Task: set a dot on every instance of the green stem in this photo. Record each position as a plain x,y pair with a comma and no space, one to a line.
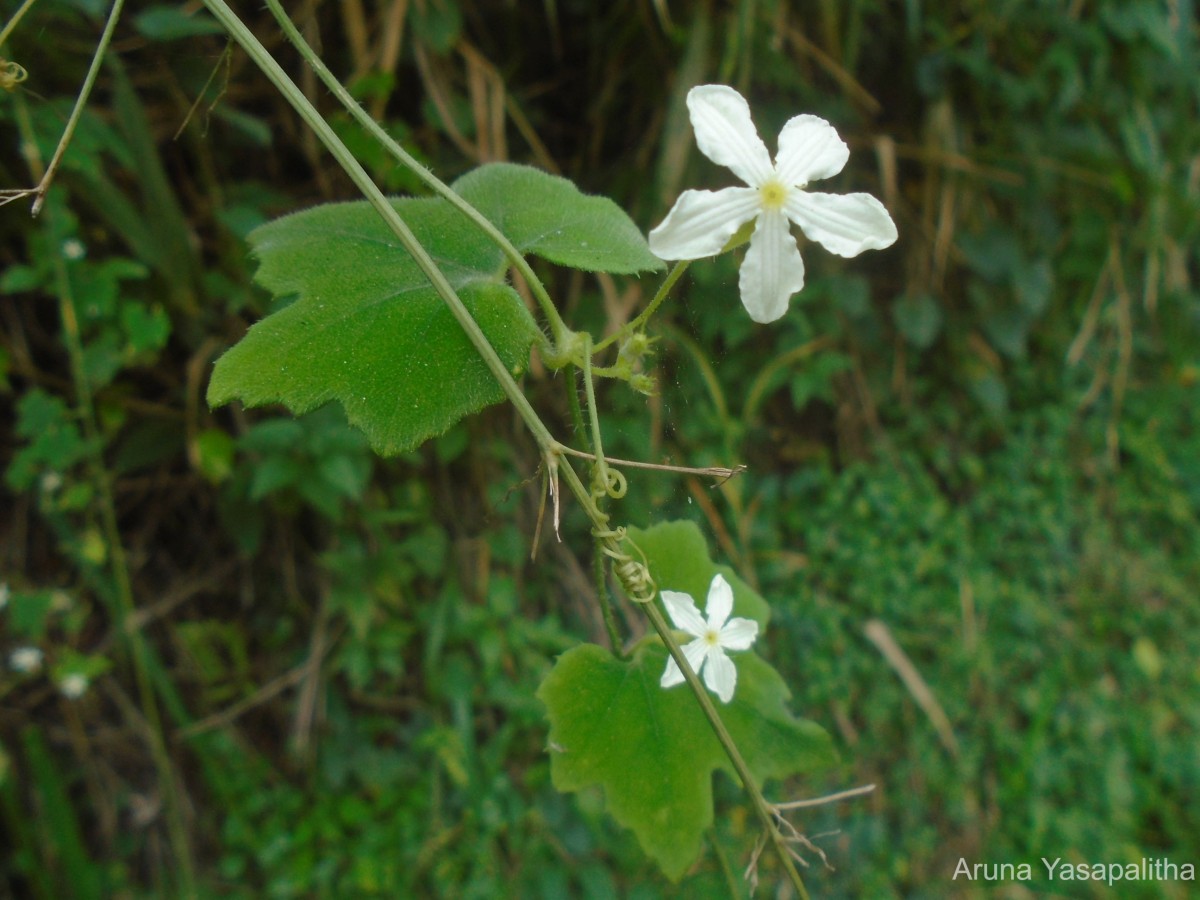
16,17
718,726
549,446
80,101
557,327
573,403
599,572
663,290
590,389
599,566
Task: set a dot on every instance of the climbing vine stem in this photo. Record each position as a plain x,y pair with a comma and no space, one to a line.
632,574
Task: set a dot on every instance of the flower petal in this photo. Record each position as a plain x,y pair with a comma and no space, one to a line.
682,610
772,270
726,134
695,653
702,222
673,674
719,603
738,634
809,150
720,674
845,224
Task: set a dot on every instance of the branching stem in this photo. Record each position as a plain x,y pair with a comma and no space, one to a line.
80,102
639,322
552,450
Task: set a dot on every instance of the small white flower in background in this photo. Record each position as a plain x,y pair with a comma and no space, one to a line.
25,659
3,594
702,222
73,249
73,686
51,482
712,638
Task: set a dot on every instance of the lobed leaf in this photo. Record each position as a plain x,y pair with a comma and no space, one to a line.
550,217
367,329
677,555
652,750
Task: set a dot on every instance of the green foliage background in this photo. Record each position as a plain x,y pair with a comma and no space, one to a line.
981,443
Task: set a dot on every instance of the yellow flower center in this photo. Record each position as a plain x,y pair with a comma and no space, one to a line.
712,638
773,194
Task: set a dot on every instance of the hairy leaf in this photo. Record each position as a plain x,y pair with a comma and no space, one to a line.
549,217
367,328
652,750
678,559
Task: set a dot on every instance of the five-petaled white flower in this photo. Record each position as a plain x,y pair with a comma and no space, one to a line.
712,638
702,222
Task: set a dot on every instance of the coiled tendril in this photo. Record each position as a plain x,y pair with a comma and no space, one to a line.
608,482
634,575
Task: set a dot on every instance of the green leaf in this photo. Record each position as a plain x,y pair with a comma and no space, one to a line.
214,454
166,23
919,318
369,330
346,474
678,559
146,328
54,440
652,750
273,474
28,613
437,25
548,216
1034,284
1008,330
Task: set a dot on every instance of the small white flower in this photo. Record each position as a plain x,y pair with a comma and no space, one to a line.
73,249
25,659
73,686
702,222
712,638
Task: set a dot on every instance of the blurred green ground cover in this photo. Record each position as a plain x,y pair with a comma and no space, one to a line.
985,440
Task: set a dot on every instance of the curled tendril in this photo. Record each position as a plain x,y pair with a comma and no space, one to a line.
610,483
616,484
633,575
11,74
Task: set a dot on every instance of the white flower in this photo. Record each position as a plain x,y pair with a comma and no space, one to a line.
702,222
712,638
73,686
25,659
